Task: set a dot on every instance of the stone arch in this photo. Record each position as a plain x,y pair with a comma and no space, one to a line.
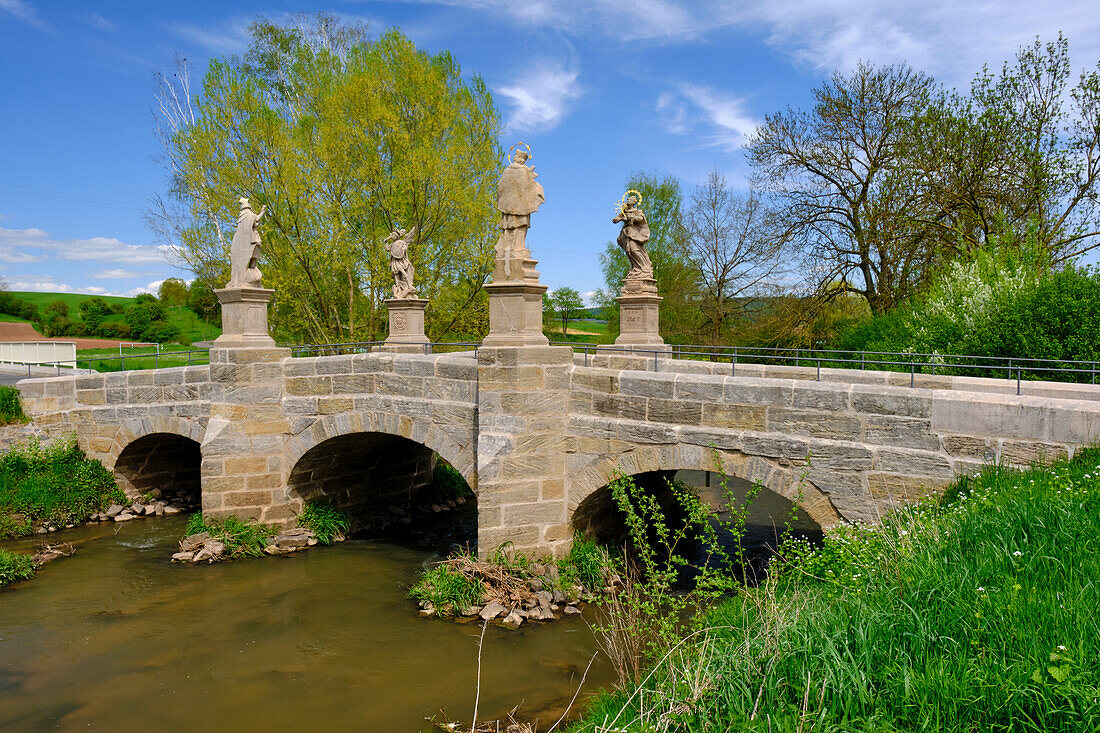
782,480
161,455
136,428
418,430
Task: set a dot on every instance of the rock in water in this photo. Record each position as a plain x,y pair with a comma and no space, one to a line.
183,557
512,621
492,609
114,510
572,611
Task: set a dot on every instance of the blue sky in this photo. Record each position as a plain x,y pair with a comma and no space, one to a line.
599,89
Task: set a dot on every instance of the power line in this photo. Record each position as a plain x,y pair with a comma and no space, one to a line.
63,197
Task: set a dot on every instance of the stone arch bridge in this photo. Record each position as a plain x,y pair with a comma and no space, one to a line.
535,431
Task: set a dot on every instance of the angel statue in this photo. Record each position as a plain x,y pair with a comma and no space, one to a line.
518,196
397,246
634,235
244,253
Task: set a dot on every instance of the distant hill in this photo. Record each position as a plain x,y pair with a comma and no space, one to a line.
72,299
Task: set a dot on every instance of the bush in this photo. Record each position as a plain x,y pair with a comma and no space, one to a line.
447,482
241,538
11,409
325,521
55,485
15,567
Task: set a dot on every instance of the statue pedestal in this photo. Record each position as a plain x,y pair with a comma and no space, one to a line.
515,268
244,318
515,314
639,324
406,325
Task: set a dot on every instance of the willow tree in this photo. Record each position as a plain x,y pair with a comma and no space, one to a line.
343,139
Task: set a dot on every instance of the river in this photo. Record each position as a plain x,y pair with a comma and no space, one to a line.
116,638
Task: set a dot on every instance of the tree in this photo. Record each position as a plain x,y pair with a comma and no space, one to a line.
662,201
173,291
147,319
92,313
738,249
567,304
1019,156
343,139
839,174
202,301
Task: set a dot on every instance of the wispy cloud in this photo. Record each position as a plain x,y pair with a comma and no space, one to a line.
93,249
40,284
720,119
25,12
118,273
541,97
226,37
98,22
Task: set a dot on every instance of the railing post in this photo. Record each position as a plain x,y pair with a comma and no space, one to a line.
733,364
586,357
655,360
1017,380
124,363
819,370
156,360
912,373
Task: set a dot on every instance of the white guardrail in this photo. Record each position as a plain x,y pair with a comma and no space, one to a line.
36,352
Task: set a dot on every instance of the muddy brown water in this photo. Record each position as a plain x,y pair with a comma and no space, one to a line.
116,638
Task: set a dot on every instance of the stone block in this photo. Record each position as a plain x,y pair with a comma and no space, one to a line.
774,446
531,465
533,403
750,391
264,481
140,378
700,388
491,538
639,432
162,377
242,465
737,416
91,396
516,492
628,407
891,401
451,367
336,364
399,385
541,513
299,386
913,463
415,365
545,442
1073,421
908,488
902,432
300,405
522,378
596,380
841,457
680,412
412,408
966,446
333,405
300,368
707,437
820,396
1027,453
450,390
642,384
969,413
90,382
233,499
817,424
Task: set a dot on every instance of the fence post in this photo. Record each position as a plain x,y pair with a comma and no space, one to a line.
1017,380
655,360
156,360
819,369
912,373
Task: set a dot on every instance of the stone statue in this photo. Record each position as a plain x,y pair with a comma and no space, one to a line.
633,237
518,196
244,253
397,246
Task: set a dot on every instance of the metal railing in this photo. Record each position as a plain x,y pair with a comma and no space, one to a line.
1016,369
194,357
365,347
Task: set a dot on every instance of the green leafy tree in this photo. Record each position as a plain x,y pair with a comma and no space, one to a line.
566,304
173,291
92,313
202,301
343,139
147,320
662,202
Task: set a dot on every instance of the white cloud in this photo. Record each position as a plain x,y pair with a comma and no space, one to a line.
225,37
540,98
40,284
117,273
94,249
152,287
24,11
724,117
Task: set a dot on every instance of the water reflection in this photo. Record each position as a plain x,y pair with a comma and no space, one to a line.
115,638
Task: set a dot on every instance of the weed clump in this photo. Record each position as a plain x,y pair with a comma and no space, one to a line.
15,567
55,485
241,538
327,523
448,589
11,409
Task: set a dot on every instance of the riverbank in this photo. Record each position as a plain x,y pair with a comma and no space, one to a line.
976,612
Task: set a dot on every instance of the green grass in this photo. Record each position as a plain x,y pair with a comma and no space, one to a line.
55,485
597,332
326,522
448,590
11,409
447,483
170,356
15,567
241,538
978,613
7,318
73,300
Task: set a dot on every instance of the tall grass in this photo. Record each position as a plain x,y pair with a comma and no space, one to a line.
448,590
977,613
55,485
